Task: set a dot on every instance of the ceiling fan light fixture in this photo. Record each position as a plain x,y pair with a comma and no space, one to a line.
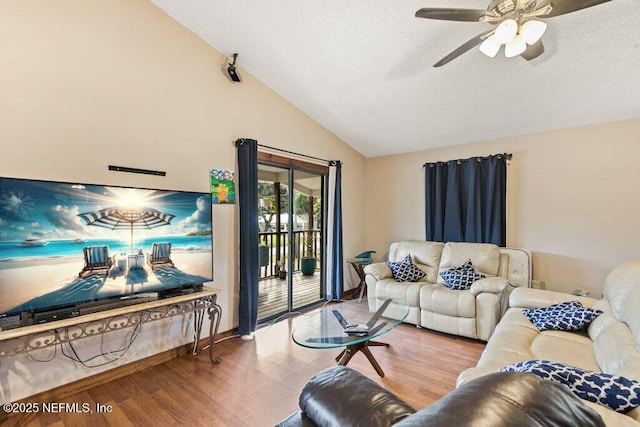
532,31
490,46
515,47
506,31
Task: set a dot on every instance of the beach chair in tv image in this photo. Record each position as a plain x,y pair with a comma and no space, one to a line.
96,258
160,255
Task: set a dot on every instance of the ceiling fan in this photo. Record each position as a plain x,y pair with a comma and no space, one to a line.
515,25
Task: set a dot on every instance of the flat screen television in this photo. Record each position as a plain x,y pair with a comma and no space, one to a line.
65,247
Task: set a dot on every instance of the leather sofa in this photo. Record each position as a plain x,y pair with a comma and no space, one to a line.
611,343
472,313
341,396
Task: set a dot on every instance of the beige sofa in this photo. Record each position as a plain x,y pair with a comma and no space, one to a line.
471,313
611,344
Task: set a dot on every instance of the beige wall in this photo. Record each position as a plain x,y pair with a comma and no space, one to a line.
85,84
572,199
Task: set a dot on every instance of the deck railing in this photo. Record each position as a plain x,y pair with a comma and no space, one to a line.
274,249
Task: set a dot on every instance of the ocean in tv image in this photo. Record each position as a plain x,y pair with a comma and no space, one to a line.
63,244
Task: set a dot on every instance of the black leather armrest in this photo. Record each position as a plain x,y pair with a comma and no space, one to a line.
297,419
506,399
341,396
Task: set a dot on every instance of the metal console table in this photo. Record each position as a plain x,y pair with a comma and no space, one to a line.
34,337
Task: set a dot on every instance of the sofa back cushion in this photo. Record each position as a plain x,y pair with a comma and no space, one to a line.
616,332
484,256
622,289
426,255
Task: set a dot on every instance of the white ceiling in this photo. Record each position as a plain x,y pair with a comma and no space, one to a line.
363,69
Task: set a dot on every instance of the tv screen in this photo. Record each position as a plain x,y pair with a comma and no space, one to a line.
65,244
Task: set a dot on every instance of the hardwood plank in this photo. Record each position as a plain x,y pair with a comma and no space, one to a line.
259,381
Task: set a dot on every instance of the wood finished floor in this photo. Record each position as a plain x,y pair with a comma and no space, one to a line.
258,382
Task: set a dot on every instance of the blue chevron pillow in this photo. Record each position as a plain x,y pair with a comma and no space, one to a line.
461,278
406,270
618,393
567,316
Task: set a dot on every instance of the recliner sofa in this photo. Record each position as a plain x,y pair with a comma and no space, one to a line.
610,344
472,313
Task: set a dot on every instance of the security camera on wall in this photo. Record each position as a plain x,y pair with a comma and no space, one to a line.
232,72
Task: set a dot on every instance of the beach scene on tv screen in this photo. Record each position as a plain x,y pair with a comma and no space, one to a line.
63,244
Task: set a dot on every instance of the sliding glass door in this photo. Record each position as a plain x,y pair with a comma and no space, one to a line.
291,253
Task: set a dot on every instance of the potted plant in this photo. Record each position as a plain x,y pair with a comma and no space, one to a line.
282,270
308,261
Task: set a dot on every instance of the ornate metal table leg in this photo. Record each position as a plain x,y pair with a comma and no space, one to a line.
198,317
215,312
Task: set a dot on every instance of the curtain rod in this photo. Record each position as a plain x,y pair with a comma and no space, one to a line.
507,156
295,154
329,162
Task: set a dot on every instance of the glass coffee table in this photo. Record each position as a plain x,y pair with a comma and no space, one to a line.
323,330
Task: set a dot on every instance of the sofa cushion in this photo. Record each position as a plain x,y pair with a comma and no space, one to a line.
615,392
484,256
566,316
622,289
406,270
516,339
426,255
461,278
405,293
442,300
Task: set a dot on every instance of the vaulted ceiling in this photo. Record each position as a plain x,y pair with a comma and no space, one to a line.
363,69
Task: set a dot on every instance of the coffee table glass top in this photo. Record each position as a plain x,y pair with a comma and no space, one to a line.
323,330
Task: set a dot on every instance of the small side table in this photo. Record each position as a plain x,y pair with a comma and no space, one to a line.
565,288
358,266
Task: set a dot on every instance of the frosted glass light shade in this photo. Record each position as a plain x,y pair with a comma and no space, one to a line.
506,31
515,47
532,31
490,46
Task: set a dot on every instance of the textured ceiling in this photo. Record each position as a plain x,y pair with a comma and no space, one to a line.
363,69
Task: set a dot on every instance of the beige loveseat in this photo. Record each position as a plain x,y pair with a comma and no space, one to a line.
611,344
471,313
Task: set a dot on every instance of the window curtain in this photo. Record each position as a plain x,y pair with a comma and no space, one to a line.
335,264
465,200
247,193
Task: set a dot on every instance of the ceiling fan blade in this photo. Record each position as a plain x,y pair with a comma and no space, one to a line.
533,51
448,14
560,7
464,48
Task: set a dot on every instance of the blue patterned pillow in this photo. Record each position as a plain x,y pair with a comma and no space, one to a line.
406,270
567,316
461,278
614,392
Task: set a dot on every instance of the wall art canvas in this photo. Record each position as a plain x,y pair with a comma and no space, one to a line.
223,188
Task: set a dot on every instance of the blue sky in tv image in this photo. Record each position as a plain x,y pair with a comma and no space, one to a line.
47,230
46,210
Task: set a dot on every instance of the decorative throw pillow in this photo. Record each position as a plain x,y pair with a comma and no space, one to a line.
614,392
567,316
462,277
406,270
